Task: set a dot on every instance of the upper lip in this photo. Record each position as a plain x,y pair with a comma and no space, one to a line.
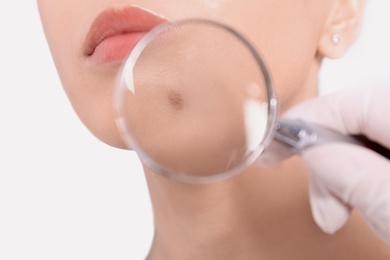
119,21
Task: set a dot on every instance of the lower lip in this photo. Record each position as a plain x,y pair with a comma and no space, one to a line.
116,48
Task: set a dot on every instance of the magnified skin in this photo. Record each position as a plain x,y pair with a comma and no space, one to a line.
192,85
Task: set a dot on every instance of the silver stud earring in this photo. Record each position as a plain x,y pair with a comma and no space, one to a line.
336,38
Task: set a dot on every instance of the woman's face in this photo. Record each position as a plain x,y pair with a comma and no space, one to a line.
287,33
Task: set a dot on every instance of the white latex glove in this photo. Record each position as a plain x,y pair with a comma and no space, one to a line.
345,176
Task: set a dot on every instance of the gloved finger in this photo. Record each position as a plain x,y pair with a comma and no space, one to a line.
353,176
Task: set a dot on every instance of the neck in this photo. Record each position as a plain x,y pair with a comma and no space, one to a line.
223,220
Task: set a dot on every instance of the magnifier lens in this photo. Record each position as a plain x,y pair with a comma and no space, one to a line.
192,101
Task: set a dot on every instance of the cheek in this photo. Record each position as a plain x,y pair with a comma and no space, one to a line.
92,99
90,96
290,53
287,39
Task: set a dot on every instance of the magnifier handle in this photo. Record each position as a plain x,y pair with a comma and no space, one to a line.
299,135
293,136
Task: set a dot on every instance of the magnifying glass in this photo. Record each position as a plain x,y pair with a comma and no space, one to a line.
196,102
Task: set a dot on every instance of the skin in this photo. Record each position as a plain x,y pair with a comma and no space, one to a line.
260,213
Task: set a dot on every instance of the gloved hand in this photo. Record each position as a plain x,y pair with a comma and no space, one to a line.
346,176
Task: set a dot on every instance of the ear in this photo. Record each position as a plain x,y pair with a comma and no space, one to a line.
342,28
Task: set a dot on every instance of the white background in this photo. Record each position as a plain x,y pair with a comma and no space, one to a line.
66,195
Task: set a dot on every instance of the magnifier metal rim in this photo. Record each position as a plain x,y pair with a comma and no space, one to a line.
133,143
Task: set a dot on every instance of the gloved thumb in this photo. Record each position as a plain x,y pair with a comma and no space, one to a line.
328,212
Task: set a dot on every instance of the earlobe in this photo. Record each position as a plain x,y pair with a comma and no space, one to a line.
342,28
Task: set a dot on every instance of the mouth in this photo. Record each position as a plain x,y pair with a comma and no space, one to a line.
115,33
